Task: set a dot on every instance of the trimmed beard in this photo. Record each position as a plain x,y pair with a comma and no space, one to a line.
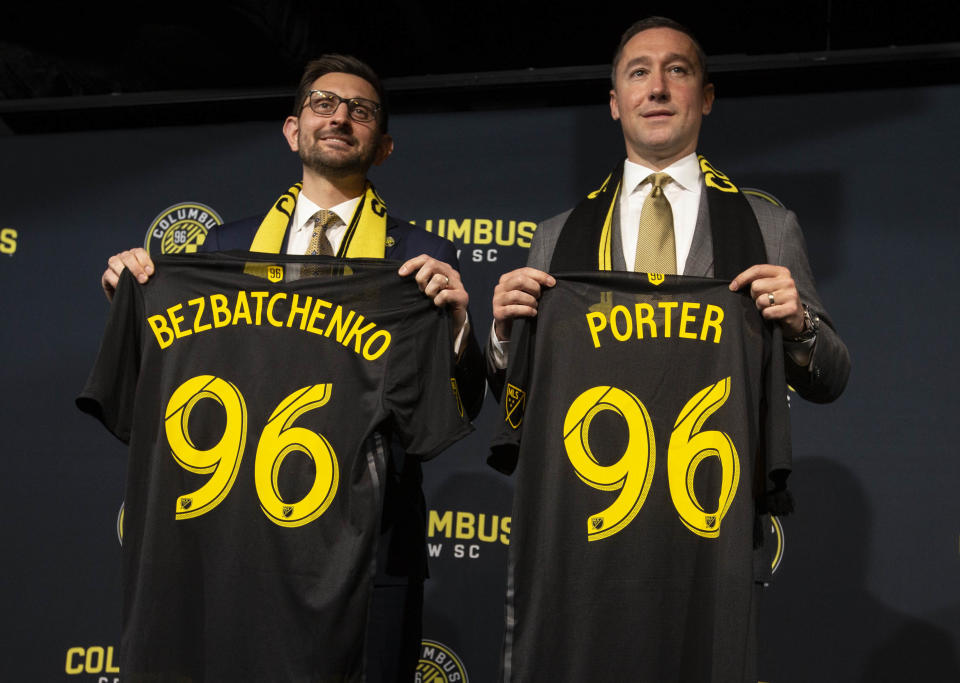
341,166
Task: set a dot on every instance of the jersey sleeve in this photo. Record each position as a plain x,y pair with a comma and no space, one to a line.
505,447
421,391
111,385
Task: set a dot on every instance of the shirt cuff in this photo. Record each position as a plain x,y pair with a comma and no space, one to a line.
458,342
800,352
497,351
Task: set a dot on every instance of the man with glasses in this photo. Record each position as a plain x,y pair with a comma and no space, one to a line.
339,129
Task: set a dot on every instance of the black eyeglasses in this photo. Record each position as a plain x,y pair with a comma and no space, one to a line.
324,103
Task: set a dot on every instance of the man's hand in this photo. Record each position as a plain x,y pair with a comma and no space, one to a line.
137,260
517,295
773,290
441,282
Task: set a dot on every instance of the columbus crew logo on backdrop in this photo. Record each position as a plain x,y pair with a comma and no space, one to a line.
439,664
181,228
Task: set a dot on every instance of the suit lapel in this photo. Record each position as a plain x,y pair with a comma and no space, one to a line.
617,259
286,236
700,258
394,238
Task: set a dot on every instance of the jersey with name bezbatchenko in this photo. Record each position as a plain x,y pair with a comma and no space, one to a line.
644,417
254,392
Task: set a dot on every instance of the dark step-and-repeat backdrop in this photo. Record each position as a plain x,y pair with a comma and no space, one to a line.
868,582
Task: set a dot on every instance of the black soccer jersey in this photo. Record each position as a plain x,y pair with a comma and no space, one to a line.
253,392
644,421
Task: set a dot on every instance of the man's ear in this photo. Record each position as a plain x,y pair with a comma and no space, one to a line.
291,131
384,149
708,96
614,108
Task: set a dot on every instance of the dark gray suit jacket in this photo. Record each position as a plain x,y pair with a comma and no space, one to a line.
826,376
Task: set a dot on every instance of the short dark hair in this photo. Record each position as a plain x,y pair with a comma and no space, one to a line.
326,64
658,22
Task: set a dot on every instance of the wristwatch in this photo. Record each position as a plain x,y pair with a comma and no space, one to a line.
811,325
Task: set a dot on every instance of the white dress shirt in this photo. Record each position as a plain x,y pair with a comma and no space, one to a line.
302,230
684,197
302,227
683,193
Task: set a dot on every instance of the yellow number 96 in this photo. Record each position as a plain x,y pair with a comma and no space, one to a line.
223,459
688,448
631,474
278,439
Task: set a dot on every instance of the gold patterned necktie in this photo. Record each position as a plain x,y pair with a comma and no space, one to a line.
656,246
319,244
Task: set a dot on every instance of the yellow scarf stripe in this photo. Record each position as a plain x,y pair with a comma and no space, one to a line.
604,259
269,237
366,234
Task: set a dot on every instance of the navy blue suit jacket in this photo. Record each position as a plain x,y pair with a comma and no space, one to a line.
402,549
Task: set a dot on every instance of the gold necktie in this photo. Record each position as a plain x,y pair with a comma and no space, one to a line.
656,247
319,244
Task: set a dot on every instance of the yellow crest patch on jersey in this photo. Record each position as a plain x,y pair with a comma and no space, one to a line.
456,395
656,278
275,273
516,400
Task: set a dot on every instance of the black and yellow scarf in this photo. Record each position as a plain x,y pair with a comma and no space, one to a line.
586,237
366,234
